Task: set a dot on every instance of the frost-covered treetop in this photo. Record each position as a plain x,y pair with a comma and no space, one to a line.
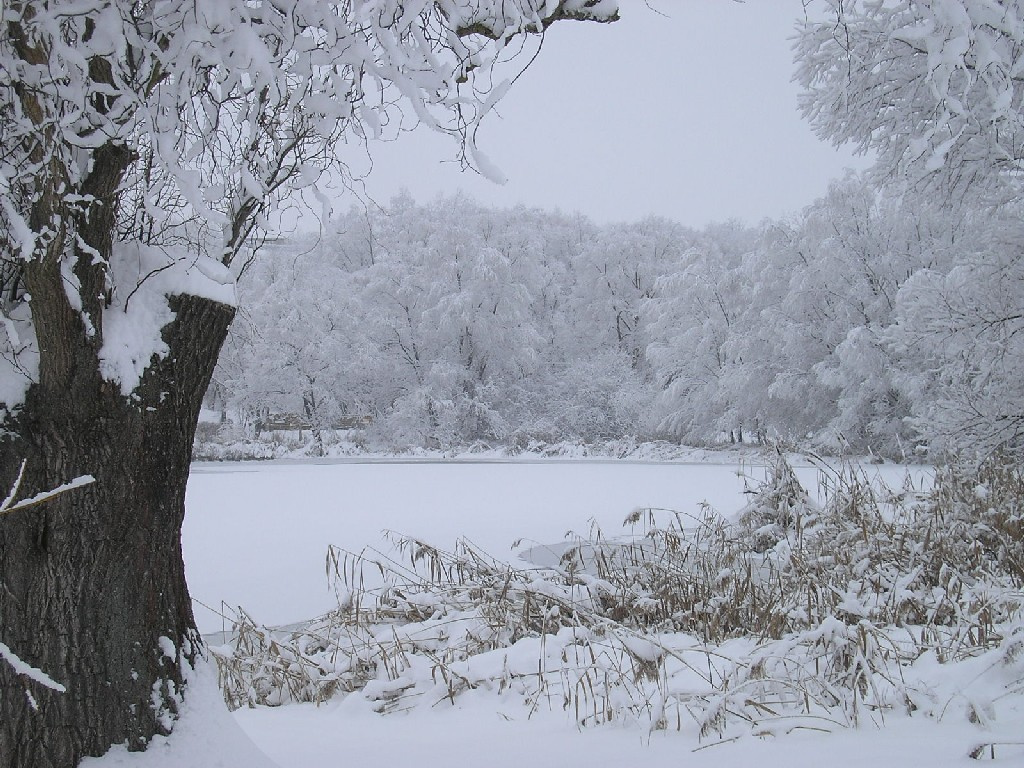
934,87
228,101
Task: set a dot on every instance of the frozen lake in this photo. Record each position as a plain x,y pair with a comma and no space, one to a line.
256,534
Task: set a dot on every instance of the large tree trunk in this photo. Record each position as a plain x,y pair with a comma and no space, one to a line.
92,583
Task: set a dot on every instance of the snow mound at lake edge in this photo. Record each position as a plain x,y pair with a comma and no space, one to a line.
205,735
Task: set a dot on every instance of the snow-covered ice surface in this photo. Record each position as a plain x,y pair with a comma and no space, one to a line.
256,534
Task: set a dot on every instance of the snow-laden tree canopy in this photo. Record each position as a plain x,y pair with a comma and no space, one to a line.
182,124
934,87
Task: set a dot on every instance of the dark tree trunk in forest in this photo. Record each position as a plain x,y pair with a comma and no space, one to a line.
93,580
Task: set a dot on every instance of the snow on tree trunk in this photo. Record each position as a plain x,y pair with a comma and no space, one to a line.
95,592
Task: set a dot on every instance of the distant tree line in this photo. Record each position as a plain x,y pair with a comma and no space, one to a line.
876,320
885,317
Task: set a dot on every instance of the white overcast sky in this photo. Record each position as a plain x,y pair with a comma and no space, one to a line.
686,111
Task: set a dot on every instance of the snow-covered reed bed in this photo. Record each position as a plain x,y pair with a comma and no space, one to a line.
795,615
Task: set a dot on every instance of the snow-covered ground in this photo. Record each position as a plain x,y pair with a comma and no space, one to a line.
256,536
316,737
475,732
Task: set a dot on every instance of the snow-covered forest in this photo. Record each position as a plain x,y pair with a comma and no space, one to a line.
876,321
150,151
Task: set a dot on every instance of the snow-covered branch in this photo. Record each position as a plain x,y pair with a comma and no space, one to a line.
27,670
933,88
8,505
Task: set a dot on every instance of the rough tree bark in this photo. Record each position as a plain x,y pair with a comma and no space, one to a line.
119,537
121,657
